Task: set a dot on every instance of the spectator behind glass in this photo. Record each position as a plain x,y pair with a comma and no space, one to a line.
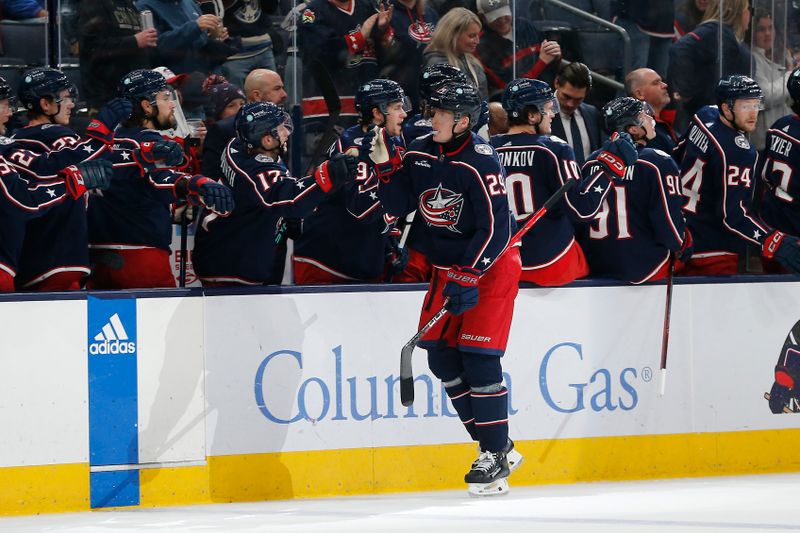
249,19
223,99
651,26
577,122
688,15
497,52
769,72
413,22
454,41
695,63
112,43
23,9
187,40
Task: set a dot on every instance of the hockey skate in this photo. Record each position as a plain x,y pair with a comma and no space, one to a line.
488,475
513,457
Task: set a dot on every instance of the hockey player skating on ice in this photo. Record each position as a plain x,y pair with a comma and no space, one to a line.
348,235
239,249
537,164
640,223
456,183
717,173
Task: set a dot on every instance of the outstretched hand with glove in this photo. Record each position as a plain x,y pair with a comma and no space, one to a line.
168,153
108,118
94,174
336,171
783,248
203,191
617,154
461,289
379,152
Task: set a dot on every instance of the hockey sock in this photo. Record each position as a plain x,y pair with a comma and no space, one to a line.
459,394
490,405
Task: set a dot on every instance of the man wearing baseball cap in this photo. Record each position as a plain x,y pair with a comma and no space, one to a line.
535,57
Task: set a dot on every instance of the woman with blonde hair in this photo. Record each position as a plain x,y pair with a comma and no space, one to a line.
454,41
697,61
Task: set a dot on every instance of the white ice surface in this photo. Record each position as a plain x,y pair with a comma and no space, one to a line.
738,504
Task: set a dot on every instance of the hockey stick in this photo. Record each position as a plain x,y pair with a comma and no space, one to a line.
406,372
184,246
324,83
667,313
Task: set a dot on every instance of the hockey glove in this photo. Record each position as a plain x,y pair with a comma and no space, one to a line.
94,174
206,192
783,248
396,255
618,153
461,289
108,118
336,171
380,153
288,228
168,153
687,249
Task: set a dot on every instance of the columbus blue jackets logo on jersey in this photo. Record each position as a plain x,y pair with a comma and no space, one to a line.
441,207
421,31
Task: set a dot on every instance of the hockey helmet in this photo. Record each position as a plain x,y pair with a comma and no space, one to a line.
142,84
460,98
257,119
436,75
523,92
379,93
44,82
793,85
737,87
625,111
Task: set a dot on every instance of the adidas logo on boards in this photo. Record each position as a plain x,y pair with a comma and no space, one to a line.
112,339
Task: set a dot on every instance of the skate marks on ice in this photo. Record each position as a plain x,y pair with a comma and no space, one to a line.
739,504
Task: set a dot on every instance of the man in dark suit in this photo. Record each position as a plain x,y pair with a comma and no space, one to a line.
261,85
577,123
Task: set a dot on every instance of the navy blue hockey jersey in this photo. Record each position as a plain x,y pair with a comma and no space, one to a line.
461,198
780,207
536,166
59,240
717,173
240,247
639,223
346,235
135,211
31,186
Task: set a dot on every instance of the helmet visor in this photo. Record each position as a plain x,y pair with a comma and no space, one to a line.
287,123
549,108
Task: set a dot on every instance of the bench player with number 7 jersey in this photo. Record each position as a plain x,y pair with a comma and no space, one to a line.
717,176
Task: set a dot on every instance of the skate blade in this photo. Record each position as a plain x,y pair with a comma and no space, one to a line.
495,488
514,459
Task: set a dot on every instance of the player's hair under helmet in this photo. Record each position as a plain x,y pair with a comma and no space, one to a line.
737,87
6,93
437,75
460,98
141,85
43,82
522,93
379,93
257,119
622,112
